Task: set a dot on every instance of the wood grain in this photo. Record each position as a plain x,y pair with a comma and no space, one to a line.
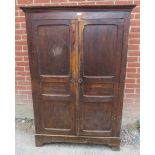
78,65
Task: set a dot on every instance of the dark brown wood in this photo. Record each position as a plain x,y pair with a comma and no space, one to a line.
77,58
79,7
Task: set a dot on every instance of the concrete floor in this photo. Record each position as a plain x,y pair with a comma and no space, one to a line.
25,146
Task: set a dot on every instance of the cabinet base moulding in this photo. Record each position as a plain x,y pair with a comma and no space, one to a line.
41,139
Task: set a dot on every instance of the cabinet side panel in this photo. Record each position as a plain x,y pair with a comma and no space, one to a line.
33,63
122,75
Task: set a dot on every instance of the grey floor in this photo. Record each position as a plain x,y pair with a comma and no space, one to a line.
25,146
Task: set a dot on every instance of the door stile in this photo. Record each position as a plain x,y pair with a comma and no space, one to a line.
74,68
78,57
80,66
74,61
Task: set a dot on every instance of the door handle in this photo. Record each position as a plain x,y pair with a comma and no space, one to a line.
80,80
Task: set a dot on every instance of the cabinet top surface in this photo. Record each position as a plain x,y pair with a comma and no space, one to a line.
76,8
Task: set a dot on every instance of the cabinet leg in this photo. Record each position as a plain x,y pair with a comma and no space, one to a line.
115,147
38,141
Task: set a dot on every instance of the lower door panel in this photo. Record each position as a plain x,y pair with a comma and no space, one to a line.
96,119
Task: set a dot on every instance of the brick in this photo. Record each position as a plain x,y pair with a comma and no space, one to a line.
133,53
130,81
76,0
134,41
24,37
137,2
105,3
19,59
30,98
42,1
129,90
28,87
17,47
52,1
20,19
27,68
24,83
25,92
129,75
124,2
25,47
86,3
16,13
137,90
134,22
20,31
137,101
132,16
20,42
19,78
20,87
21,13
19,68
68,4
135,29
18,37
17,8
26,59
26,101
135,64
25,1
137,16
138,70
128,100
21,53
28,78
22,73
133,47
17,25
130,95
131,70
138,80
20,97
23,25
132,59
129,85
136,10
134,35
22,63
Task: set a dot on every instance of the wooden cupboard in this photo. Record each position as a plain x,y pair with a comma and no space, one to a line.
77,58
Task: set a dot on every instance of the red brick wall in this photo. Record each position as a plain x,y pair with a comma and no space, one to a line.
23,84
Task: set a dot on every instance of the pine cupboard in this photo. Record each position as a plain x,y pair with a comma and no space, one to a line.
77,58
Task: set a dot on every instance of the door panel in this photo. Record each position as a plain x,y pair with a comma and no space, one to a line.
54,40
98,88
100,51
93,113
57,116
54,49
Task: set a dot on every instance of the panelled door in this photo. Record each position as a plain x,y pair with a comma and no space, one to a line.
100,48
75,72
53,72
